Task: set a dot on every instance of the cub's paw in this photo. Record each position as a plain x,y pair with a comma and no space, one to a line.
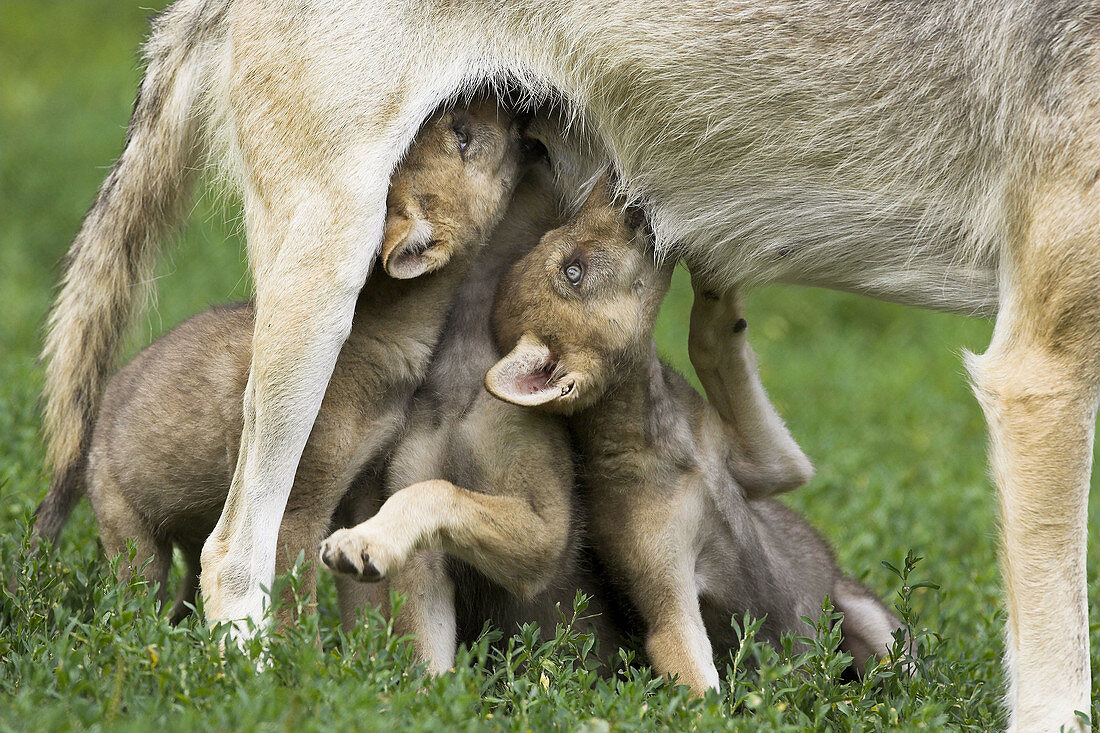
346,553
718,309
718,338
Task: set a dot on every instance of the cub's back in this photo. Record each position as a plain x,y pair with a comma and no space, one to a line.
170,422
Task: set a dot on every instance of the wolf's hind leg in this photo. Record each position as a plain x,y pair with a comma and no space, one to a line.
311,252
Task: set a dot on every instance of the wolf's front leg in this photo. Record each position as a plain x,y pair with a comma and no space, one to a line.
1039,387
763,456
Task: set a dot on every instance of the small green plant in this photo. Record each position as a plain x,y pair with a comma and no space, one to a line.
81,649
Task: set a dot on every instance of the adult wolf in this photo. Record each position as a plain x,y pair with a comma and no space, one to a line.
942,154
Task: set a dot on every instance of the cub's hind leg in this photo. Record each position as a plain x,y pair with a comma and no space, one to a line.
761,453
189,588
428,612
353,598
119,523
676,638
651,548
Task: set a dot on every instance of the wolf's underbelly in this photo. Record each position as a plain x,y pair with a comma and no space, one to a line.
923,261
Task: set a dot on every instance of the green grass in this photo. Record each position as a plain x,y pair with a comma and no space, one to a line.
874,392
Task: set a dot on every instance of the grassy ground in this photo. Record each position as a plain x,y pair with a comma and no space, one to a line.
874,392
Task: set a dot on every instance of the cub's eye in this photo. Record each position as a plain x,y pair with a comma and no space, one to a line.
574,272
462,135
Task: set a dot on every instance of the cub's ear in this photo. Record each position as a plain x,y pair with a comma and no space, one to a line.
530,375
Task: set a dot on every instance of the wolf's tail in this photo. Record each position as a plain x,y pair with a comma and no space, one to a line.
115,251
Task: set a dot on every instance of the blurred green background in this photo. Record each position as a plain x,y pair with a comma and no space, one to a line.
874,392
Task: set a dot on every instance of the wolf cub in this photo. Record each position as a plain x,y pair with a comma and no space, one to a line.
675,485
166,438
482,523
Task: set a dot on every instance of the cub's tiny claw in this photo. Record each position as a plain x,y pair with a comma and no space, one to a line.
344,565
369,573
